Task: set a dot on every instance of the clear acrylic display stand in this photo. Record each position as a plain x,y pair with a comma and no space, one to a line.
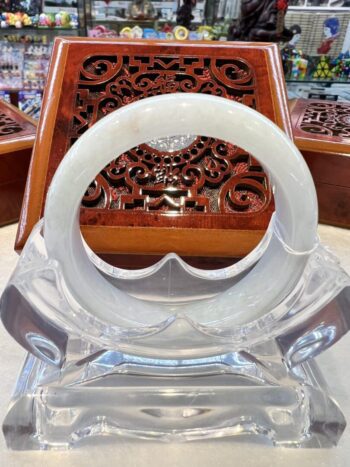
172,352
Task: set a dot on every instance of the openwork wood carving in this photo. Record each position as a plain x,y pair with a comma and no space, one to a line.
328,119
155,198
8,126
207,175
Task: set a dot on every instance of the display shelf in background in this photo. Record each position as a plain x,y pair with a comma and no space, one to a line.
112,17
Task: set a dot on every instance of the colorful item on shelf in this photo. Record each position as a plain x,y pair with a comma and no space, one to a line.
26,38
341,68
35,66
61,19
331,33
181,33
136,32
17,20
193,36
220,31
23,66
126,32
29,102
295,64
299,67
149,33
205,33
261,20
101,31
167,28
47,20
11,66
323,69
29,7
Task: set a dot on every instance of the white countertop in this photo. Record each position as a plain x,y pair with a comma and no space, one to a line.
219,453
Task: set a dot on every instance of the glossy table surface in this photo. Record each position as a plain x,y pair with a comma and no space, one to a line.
127,453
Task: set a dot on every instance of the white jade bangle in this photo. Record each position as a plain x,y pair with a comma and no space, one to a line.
170,115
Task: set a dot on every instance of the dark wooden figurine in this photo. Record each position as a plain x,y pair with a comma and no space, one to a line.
261,21
184,14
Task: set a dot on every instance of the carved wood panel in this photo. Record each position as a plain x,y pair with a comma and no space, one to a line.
326,118
8,126
322,130
17,134
204,184
206,175
14,127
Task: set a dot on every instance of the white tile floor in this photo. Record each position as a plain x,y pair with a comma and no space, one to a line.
124,453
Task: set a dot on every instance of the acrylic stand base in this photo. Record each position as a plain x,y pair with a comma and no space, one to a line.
233,395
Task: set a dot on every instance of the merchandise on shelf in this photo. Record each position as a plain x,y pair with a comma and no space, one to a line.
62,19
141,9
34,13
331,27
18,20
341,69
323,69
129,11
101,31
11,66
322,32
29,102
25,38
169,32
23,66
36,63
29,7
5,96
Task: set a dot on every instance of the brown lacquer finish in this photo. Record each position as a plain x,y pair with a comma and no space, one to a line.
17,134
322,132
17,130
209,191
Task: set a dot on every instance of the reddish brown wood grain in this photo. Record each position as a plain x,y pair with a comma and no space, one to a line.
17,134
322,133
89,78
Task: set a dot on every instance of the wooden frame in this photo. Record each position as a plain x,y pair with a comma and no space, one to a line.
322,133
17,135
77,64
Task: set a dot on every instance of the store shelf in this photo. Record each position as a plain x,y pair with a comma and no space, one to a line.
318,8
318,81
13,30
127,20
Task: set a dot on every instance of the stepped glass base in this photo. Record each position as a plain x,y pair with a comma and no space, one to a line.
233,395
